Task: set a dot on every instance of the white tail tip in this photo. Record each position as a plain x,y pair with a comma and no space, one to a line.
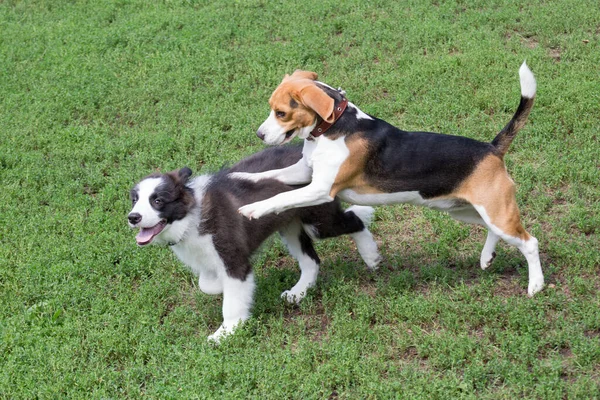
528,84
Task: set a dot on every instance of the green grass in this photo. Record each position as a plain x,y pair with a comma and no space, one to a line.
95,95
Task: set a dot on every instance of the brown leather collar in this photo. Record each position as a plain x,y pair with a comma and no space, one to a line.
324,125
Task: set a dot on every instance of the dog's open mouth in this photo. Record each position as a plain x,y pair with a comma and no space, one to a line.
288,136
146,235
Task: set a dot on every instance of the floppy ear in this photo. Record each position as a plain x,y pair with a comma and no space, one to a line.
299,74
317,100
184,173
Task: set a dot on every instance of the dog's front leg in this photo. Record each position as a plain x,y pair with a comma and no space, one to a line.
297,174
310,195
327,158
237,301
210,283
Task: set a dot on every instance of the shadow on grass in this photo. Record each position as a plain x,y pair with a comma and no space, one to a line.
507,277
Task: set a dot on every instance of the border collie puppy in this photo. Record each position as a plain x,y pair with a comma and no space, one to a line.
198,218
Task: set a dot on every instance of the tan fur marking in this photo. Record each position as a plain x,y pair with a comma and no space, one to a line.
351,172
316,99
313,101
297,117
491,187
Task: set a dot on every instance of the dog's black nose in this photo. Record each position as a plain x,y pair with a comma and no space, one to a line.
260,135
134,218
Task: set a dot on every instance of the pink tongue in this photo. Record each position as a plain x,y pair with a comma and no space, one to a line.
145,235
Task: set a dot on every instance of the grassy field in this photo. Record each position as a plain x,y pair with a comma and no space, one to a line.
96,95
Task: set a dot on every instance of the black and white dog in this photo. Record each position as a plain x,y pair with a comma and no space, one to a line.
198,218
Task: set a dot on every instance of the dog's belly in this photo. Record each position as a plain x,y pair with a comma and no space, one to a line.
374,199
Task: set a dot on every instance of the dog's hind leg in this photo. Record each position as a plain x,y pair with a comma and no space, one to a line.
300,246
471,216
502,218
488,253
354,221
366,245
491,192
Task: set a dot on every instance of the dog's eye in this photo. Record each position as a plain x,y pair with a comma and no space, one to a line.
134,200
280,114
158,202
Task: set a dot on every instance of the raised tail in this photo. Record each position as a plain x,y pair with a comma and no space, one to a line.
505,137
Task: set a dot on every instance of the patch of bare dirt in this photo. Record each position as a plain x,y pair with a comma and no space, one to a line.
508,286
530,42
555,54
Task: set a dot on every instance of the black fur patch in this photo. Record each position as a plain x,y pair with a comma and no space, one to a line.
306,244
270,158
236,238
432,164
334,223
172,198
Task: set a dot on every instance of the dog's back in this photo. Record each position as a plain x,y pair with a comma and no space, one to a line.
268,159
237,237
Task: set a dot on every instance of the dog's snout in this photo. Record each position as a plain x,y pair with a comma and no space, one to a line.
260,135
134,218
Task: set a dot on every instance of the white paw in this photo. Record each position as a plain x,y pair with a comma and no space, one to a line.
373,261
486,260
223,331
535,286
218,335
254,210
245,176
293,297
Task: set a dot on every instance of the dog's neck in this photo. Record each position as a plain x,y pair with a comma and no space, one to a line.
323,126
339,105
180,230
351,120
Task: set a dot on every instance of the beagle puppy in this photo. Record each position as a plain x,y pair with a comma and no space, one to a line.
365,160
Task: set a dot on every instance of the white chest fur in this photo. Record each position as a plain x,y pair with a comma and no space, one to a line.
193,249
198,252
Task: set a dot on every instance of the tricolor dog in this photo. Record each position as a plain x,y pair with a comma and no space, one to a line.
365,160
198,218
